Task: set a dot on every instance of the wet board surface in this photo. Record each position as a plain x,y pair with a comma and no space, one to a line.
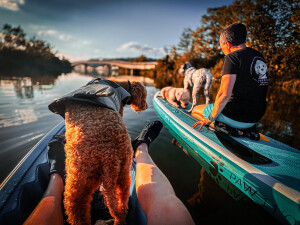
266,171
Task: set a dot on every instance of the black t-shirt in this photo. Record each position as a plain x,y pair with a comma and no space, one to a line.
248,102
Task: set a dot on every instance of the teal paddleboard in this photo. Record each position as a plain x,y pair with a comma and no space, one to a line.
265,171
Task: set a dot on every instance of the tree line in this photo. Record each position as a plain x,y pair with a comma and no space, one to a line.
273,29
19,55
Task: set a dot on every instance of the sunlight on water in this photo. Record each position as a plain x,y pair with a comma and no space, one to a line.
25,115
38,136
19,117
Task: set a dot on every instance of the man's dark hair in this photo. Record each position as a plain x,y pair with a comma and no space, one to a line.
235,34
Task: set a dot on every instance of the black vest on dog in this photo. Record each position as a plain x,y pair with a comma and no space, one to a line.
100,92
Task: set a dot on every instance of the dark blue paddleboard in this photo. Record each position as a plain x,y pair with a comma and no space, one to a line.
24,187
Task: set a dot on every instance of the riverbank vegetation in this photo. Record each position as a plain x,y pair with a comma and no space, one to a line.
273,29
20,56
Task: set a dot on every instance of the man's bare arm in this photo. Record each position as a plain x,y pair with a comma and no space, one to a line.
224,94
222,98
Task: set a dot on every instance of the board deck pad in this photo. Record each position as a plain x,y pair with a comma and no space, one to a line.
266,171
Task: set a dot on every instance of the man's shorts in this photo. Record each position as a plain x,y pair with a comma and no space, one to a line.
224,119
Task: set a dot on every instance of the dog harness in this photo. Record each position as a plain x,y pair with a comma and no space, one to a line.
100,92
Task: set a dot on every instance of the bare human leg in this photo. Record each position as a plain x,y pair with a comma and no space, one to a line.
155,193
49,210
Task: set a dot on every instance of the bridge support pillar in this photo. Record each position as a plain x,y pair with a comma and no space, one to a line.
85,68
109,70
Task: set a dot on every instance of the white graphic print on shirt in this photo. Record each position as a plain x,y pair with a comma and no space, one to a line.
259,71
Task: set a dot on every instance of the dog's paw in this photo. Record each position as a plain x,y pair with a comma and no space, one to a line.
174,103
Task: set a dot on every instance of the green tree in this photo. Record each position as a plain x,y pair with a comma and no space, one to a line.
17,53
273,29
186,39
14,37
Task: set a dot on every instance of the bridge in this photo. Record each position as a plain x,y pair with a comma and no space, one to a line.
109,64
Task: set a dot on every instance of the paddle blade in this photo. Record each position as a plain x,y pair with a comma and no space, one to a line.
263,138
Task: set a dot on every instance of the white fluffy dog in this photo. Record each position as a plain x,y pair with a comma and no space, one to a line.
176,96
195,79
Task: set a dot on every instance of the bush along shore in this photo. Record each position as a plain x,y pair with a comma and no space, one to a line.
19,56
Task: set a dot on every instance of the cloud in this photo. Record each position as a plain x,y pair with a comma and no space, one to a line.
47,33
12,4
65,37
136,47
86,42
61,36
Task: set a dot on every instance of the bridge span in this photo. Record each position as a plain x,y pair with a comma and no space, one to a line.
113,65
132,66
123,64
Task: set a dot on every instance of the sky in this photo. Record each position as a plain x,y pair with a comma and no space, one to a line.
81,30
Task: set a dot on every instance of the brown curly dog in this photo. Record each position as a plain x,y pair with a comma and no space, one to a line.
98,151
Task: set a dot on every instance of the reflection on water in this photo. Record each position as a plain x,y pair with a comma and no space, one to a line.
97,70
19,117
22,87
25,119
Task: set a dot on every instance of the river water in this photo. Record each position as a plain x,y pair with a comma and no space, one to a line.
25,119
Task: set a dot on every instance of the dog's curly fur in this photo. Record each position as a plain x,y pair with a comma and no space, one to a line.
138,99
98,151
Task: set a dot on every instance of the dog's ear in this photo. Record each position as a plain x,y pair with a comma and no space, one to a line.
138,97
187,65
184,66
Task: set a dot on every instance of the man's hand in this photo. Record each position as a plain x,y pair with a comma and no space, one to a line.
202,122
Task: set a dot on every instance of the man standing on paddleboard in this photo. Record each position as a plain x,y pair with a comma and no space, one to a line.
241,99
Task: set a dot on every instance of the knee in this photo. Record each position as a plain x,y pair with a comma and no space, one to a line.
169,210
